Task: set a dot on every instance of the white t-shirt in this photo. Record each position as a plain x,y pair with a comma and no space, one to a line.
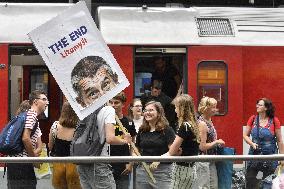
138,123
105,116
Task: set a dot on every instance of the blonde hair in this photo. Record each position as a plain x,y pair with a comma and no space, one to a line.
162,121
186,113
205,103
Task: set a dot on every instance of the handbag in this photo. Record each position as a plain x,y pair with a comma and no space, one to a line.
225,168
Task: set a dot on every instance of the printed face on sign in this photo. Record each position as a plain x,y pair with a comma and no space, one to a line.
91,78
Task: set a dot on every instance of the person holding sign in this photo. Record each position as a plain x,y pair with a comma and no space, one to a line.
99,175
91,78
121,170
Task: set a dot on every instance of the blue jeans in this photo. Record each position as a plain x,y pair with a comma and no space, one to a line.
207,177
96,176
162,175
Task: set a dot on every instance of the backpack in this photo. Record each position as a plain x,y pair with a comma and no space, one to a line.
86,140
11,136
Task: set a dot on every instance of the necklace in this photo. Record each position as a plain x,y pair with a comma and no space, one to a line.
263,122
207,121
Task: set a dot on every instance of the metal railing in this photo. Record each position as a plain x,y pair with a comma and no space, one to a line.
113,159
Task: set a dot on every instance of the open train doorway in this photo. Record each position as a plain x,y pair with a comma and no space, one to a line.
165,64
23,58
28,72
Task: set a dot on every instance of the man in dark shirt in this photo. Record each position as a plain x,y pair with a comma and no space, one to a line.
168,74
121,170
157,95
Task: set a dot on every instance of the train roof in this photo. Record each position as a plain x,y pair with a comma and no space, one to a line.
157,25
192,26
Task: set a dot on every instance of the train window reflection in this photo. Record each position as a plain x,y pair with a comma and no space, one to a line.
212,81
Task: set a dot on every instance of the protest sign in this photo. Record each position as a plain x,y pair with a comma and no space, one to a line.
80,61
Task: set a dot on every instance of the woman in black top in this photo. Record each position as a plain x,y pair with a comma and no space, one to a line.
154,139
61,134
186,143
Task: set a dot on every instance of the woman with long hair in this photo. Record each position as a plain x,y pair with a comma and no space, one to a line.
135,113
265,131
208,141
23,107
186,143
65,175
154,138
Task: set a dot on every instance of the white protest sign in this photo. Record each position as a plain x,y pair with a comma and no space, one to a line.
80,61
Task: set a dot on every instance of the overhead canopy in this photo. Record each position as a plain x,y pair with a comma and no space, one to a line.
18,19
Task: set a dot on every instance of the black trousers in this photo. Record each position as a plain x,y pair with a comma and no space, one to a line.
21,176
251,181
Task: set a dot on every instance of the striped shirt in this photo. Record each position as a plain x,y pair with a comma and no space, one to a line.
31,121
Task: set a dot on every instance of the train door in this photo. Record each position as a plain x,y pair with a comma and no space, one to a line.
4,85
27,73
216,71
164,64
124,57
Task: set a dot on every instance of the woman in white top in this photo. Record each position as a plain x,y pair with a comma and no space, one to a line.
135,113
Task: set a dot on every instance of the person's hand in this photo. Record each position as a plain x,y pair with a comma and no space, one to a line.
220,142
127,138
128,169
154,166
254,146
37,152
37,165
179,151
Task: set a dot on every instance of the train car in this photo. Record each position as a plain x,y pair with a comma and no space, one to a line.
233,54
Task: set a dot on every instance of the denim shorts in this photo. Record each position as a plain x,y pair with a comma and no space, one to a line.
162,175
96,176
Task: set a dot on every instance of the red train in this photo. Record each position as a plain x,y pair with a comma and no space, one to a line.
235,55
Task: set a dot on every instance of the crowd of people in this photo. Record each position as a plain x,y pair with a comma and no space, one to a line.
148,127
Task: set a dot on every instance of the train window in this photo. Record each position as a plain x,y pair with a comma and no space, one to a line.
166,68
212,82
39,81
